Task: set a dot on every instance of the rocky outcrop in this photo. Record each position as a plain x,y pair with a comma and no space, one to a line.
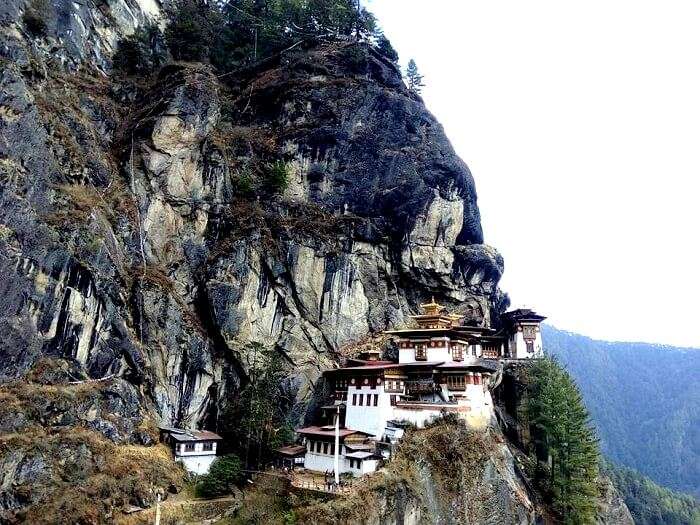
445,474
131,246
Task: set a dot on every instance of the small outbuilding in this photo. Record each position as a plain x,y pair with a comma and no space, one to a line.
195,449
291,456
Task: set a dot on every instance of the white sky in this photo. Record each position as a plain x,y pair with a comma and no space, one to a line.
581,124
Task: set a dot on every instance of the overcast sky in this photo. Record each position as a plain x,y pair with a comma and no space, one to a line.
581,124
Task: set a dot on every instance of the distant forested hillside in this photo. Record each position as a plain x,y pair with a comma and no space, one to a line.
645,401
651,504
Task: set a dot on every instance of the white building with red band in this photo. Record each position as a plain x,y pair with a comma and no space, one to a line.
443,367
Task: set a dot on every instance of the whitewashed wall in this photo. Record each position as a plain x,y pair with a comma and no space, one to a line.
365,418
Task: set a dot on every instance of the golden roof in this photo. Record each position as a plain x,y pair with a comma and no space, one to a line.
432,308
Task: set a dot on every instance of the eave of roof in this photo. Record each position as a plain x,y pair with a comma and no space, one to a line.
292,450
364,367
318,431
359,454
194,435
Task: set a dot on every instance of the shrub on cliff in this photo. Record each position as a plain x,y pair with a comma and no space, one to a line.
193,29
142,52
276,176
225,473
566,441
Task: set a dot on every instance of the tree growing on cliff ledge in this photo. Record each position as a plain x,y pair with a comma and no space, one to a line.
565,439
414,78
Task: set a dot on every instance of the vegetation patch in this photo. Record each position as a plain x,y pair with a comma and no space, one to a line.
650,503
436,468
565,443
78,476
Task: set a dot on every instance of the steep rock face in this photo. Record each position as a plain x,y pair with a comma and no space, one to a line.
130,247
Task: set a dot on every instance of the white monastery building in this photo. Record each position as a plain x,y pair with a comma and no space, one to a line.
195,449
443,367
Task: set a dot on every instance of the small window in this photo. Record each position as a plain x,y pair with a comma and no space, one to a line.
354,399
376,399
393,400
530,346
361,397
332,449
325,448
208,446
189,447
318,447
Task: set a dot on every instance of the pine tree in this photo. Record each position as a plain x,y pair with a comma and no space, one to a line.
563,435
385,48
414,78
258,420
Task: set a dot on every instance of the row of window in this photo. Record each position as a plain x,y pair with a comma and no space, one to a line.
393,384
189,447
355,463
322,447
457,353
359,399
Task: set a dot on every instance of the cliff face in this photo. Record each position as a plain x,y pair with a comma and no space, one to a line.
130,247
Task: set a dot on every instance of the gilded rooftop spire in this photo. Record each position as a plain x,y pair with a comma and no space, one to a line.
432,308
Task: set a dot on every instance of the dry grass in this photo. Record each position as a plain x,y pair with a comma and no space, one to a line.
90,477
113,203
453,455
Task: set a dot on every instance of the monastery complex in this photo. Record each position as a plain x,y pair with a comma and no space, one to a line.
443,366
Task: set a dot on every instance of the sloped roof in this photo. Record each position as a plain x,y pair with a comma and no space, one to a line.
292,450
182,434
360,454
320,432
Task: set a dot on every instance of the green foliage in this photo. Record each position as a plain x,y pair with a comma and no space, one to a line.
564,437
276,176
356,58
244,184
385,48
143,52
649,503
193,28
259,419
644,400
414,78
224,474
240,32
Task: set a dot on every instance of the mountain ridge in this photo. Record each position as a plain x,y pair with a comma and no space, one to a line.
628,397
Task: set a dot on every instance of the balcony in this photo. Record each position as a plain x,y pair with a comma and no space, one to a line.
421,386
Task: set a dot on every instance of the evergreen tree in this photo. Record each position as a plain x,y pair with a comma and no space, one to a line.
193,29
385,48
224,474
414,78
259,419
564,437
